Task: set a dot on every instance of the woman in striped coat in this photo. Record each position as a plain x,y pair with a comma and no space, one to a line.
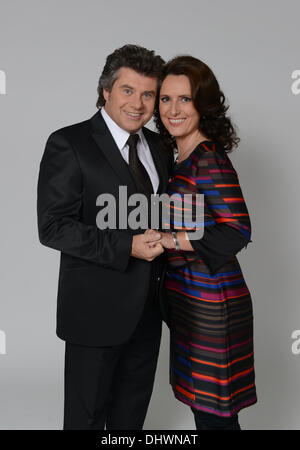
210,308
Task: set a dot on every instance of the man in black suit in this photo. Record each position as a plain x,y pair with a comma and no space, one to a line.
107,308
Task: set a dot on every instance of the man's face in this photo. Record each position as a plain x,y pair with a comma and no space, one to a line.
131,101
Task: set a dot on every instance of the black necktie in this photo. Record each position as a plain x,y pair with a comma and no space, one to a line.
138,171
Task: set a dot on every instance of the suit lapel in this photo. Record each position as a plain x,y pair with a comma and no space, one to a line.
109,148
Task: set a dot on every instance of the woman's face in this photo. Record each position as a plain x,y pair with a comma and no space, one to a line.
176,107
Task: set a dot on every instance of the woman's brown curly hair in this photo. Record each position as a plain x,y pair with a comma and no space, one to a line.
207,98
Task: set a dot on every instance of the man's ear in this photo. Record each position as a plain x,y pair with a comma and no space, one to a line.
106,94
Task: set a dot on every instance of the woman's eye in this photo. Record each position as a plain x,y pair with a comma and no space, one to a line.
164,99
186,99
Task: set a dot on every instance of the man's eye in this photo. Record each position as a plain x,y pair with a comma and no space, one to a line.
127,91
148,94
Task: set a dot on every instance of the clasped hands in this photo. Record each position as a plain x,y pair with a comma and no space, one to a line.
151,244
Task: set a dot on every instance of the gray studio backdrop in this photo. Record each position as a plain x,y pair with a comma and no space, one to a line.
52,53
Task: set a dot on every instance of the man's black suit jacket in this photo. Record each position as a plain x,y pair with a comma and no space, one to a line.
101,289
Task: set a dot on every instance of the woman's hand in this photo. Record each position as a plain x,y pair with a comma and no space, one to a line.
147,246
167,240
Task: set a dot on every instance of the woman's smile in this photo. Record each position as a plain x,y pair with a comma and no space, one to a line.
176,122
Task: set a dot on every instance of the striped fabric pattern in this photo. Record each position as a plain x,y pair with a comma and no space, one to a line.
211,317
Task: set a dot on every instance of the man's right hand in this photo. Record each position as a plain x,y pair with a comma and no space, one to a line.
144,246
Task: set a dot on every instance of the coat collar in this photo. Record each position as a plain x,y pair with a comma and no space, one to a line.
109,148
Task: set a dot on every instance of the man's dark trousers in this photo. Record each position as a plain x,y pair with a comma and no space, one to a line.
112,386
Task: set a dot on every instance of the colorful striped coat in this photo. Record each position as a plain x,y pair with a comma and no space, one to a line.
211,318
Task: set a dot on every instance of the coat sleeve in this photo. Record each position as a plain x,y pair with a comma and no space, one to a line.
227,227
59,207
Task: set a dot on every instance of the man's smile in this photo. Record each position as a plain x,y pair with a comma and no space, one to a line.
134,116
